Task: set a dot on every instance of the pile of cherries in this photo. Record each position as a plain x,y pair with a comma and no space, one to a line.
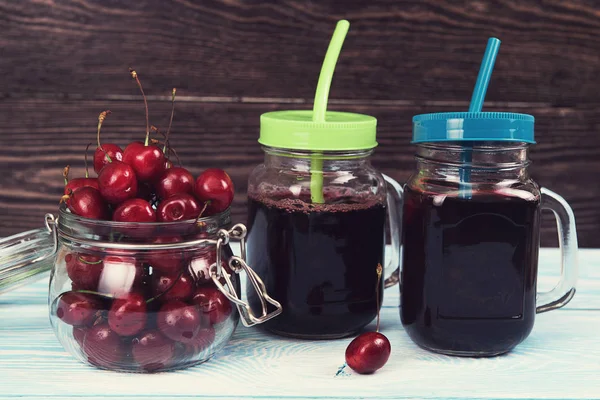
150,310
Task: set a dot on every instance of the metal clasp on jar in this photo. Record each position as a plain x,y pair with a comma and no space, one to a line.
237,264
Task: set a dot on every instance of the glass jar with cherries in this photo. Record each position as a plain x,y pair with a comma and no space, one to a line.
138,297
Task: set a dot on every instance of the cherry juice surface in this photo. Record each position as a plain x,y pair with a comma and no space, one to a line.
319,261
469,271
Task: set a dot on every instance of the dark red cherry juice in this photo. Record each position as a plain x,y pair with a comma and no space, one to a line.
319,261
469,270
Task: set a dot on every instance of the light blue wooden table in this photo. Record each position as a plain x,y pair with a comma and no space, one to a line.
560,360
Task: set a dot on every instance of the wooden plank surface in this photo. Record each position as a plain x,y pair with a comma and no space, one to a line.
560,359
35,150
63,62
422,51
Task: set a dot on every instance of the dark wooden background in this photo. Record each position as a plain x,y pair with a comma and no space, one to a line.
62,62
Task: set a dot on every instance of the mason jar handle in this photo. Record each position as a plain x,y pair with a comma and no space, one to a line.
564,291
238,264
394,204
25,255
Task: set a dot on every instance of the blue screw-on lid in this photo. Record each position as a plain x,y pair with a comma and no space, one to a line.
473,126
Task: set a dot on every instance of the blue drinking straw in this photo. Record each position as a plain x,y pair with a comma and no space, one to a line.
483,81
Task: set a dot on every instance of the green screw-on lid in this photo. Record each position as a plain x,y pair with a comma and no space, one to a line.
296,130
319,129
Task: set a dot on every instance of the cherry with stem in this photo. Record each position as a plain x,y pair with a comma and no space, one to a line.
85,159
134,75
146,159
107,152
369,351
170,121
101,119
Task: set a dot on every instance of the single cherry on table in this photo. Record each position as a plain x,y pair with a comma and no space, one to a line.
368,352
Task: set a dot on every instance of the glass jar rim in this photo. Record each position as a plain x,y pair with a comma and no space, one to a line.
75,228
65,216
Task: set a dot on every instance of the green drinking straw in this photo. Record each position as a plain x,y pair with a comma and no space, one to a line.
320,105
481,86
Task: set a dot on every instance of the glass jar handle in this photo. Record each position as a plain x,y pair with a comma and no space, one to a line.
394,205
564,291
24,256
237,264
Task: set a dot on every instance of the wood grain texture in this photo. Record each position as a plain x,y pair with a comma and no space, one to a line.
41,136
419,51
64,62
559,360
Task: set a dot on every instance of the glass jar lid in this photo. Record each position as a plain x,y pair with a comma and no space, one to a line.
296,130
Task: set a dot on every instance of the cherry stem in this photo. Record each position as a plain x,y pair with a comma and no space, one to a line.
66,197
101,119
170,120
89,263
176,155
206,203
134,75
87,172
379,273
166,290
66,173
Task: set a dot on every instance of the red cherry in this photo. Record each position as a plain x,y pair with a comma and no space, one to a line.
167,261
148,162
179,321
368,352
77,309
215,188
179,207
152,351
87,202
77,183
203,339
127,315
120,275
84,270
172,287
103,347
134,210
212,303
200,266
117,182
79,335
174,181
100,156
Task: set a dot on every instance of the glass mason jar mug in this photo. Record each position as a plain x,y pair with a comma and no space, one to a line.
471,229
316,224
143,297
